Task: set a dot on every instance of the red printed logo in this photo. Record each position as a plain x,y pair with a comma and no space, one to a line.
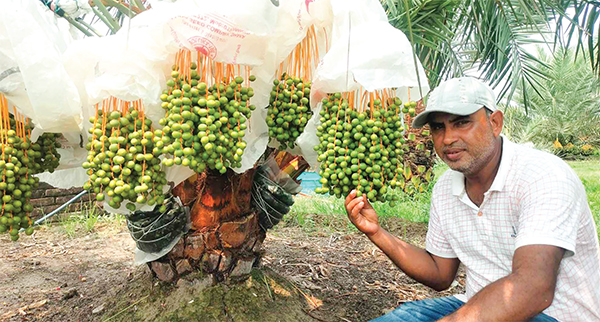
307,2
204,46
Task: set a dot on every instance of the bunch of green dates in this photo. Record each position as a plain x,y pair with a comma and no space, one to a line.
204,126
289,110
123,160
48,157
361,150
17,183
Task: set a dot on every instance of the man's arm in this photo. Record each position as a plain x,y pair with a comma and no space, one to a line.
424,267
523,294
433,271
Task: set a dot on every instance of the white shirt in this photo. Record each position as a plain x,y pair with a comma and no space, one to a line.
536,198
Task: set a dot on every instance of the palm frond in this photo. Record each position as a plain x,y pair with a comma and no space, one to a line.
569,107
493,37
429,23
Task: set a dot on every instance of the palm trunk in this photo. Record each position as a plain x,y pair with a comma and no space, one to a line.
225,238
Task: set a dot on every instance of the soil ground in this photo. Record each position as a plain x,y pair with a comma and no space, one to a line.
337,276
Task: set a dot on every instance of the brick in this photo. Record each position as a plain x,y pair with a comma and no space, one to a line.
41,211
74,207
36,213
55,192
49,209
63,199
84,205
44,186
75,191
90,197
42,202
38,193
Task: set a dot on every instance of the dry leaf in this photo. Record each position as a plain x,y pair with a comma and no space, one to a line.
8,315
38,304
314,302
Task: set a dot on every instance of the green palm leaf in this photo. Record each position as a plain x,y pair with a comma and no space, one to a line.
569,107
491,37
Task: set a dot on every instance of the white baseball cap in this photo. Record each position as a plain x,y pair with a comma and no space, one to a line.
458,96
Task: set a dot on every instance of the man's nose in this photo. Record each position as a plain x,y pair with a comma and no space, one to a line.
450,136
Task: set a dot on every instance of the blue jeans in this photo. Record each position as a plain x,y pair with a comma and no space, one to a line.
431,310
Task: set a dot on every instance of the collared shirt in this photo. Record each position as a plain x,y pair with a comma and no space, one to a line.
535,199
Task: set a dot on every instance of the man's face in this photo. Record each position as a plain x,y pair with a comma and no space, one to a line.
465,143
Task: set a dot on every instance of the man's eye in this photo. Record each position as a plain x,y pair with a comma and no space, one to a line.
435,127
462,122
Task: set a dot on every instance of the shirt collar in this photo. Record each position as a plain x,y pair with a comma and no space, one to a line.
458,179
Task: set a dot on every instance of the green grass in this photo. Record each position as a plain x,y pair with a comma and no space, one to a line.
318,212
589,173
85,222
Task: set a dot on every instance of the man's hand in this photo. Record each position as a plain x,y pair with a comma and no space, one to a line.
433,271
362,214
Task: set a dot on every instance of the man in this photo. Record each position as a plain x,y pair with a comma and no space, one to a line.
517,218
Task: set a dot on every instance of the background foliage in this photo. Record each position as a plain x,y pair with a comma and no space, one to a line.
566,117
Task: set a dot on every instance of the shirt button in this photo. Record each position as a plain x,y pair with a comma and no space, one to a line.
480,214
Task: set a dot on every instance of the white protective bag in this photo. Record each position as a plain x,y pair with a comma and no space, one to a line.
373,56
353,13
32,75
136,62
294,20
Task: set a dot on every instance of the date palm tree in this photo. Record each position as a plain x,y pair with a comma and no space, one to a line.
494,38
449,37
569,108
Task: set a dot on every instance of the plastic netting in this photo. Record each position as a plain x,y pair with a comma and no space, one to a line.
154,231
272,193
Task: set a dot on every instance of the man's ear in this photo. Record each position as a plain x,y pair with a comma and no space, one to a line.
497,121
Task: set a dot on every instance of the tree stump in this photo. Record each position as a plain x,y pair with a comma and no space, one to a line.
225,239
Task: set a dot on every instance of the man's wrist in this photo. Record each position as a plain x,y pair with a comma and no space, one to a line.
376,235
